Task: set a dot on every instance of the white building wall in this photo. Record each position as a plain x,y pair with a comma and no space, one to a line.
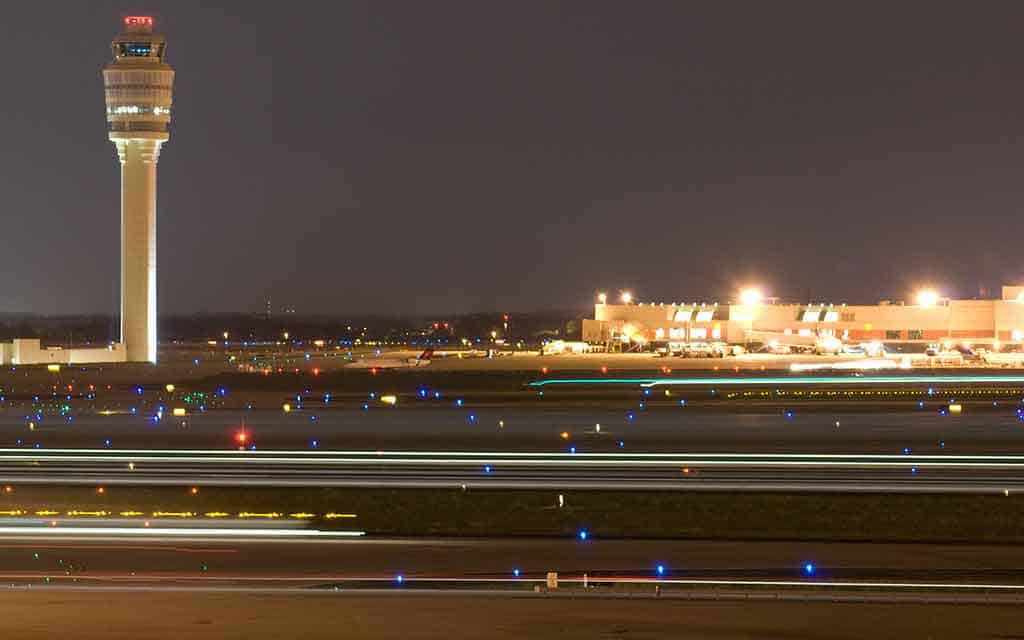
95,355
29,351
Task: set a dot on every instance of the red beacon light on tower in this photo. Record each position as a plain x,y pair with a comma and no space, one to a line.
138,24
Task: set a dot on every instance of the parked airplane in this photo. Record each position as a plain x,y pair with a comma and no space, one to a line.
777,342
421,360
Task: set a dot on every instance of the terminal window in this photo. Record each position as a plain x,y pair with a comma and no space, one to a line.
892,335
848,316
915,334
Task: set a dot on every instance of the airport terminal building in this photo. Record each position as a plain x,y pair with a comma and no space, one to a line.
990,323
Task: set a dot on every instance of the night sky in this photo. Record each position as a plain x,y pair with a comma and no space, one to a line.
423,157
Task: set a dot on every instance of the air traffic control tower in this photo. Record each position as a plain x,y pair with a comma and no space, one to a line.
138,90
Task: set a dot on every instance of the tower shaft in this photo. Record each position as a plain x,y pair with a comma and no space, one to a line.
138,158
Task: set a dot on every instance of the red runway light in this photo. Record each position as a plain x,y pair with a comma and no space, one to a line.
241,436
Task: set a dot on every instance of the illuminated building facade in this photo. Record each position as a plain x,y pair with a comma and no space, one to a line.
933,320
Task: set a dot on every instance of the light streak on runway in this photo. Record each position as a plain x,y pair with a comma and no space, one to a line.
42,531
441,584
514,470
783,381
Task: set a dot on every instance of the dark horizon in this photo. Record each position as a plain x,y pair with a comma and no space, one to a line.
455,157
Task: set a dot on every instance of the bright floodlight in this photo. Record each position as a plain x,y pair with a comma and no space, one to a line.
750,296
602,298
1020,297
927,298
627,297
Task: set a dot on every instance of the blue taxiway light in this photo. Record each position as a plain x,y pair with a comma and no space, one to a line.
809,569
583,535
660,569
515,572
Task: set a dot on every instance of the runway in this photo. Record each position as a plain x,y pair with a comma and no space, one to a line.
242,558
638,427
237,584
257,615
704,471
